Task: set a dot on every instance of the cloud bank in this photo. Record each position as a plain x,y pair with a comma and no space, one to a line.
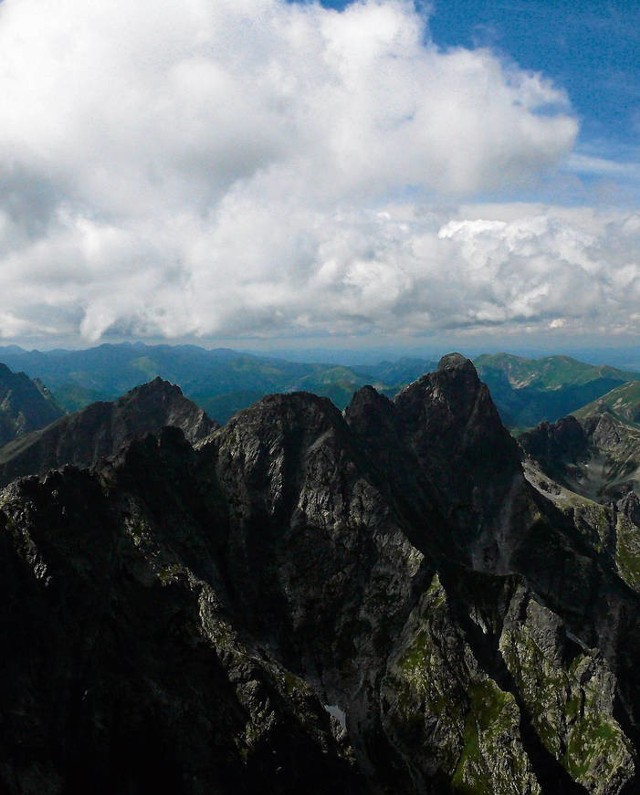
199,169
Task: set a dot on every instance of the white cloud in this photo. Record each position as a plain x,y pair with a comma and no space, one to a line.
201,168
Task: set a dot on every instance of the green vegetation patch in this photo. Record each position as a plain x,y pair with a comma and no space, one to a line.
492,759
147,366
570,706
628,552
438,699
623,402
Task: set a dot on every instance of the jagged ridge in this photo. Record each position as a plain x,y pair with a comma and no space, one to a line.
393,563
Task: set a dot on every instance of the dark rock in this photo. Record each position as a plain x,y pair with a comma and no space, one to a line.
450,423
25,405
378,602
101,429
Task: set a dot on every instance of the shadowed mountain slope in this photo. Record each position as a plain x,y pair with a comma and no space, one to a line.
102,428
370,602
597,456
25,405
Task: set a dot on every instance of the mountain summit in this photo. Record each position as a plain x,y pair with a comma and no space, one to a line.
102,428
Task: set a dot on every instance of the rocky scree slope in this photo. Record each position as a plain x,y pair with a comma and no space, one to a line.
376,601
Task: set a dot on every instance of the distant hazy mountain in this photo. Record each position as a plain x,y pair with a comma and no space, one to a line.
107,371
528,391
25,405
548,373
221,381
403,371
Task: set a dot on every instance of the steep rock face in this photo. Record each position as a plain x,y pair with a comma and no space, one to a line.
312,602
448,420
25,405
125,673
594,464
557,446
569,691
102,428
328,574
451,721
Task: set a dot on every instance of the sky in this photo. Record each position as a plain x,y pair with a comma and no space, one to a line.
266,173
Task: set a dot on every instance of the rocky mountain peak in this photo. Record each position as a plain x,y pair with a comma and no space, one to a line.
450,396
555,444
604,429
449,415
457,362
450,423
156,386
369,411
102,428
157,403
283,420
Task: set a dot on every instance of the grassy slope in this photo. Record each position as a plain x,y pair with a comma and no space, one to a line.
623,402
528,391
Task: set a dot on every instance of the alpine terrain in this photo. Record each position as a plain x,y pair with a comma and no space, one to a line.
389,599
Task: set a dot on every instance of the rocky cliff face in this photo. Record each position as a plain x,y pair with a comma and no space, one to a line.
377,601
25,405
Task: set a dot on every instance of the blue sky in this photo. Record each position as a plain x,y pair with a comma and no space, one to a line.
271,173
590,48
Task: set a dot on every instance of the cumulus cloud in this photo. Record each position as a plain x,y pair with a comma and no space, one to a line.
211,168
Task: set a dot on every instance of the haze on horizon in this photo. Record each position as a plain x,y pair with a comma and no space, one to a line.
269,173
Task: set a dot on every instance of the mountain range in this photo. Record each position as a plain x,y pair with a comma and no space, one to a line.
101,429
528,391
396,598
223,381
